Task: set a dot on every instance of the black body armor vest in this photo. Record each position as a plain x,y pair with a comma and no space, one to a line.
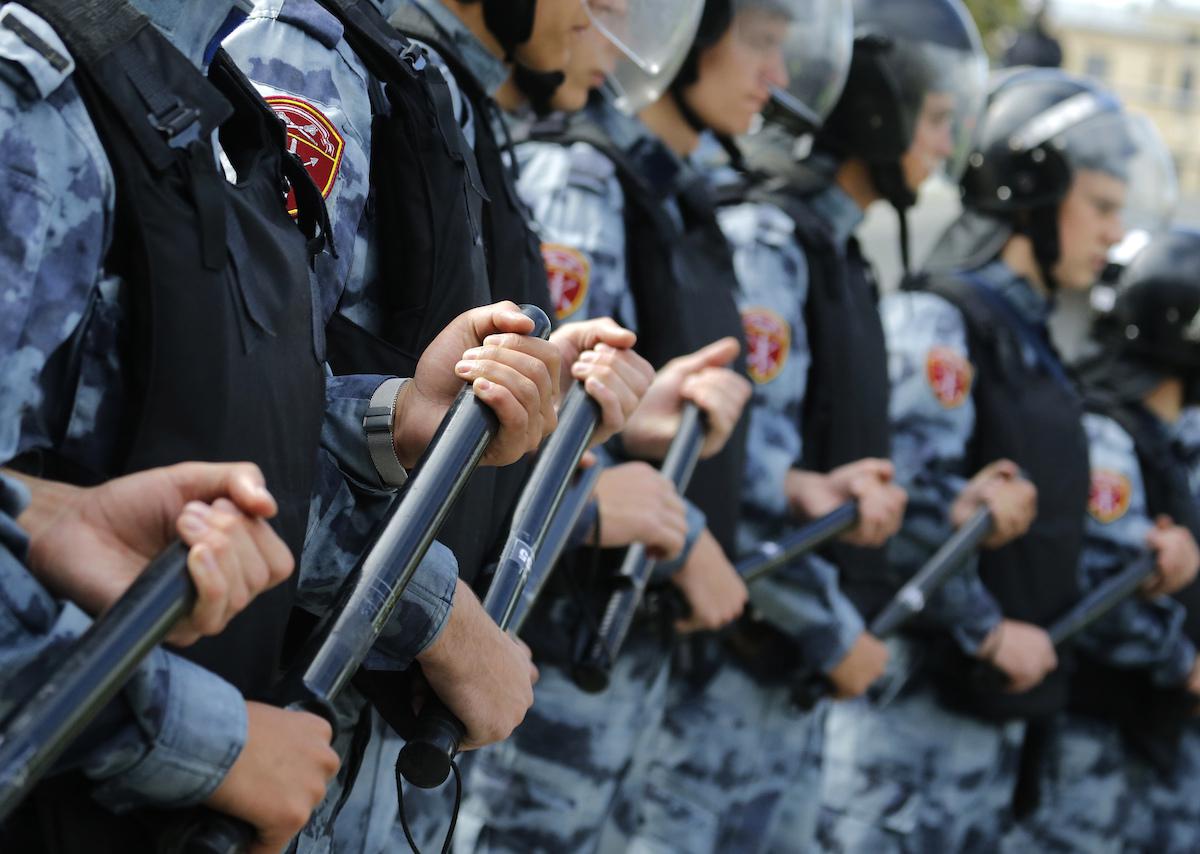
682,280
221,358
845,415
1152,719
1032,416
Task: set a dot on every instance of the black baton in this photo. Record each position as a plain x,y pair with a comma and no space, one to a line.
426,757
96,668
910,600
371,592
1102,600
593,670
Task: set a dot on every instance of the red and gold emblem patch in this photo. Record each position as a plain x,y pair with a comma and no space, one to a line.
1108,497
568,272
768,340
313,139
950,376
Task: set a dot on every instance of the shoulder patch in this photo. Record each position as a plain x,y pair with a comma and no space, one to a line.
768,342
1108,496
312,138
950,376
569,273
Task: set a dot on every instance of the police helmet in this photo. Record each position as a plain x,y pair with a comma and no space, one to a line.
1040,127
1151,329
905,50
813,41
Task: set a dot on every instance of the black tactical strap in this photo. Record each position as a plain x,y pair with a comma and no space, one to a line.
94,28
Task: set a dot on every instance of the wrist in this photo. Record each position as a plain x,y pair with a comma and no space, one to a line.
410,430
48,501
991,644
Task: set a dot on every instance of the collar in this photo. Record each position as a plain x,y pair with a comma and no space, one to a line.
191,27
839,211
489,70
1017,290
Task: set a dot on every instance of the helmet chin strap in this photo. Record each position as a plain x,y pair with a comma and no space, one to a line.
538,86
689,115
1040,225
889,182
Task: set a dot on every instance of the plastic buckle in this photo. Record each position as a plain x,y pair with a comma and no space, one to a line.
414,56
180,125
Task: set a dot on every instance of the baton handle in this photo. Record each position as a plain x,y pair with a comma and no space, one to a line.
593,670
97,667
426,757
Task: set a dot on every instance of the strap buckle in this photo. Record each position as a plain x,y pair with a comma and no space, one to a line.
180,124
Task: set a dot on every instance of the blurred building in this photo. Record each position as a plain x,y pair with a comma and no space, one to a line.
1148,51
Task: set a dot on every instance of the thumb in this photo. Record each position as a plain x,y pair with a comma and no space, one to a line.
503,316
715,355
241,483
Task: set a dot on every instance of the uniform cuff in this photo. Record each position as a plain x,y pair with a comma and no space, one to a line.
201,730
347,402
696,523
421,615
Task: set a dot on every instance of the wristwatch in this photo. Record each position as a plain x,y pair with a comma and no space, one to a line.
379,424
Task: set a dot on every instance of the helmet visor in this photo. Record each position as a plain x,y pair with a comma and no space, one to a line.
642,75
649,33
801,50
944,90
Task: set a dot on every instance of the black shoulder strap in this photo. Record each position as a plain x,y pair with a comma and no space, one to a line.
115,45
312,215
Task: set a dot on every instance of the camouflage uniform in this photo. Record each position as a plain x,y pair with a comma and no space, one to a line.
59,222
552,786
902,771
1086,798
1166,815
737,765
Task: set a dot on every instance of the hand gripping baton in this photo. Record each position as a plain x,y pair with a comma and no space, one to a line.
371,592
426,758
592,671
910,600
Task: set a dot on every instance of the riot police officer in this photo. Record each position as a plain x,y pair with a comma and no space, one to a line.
1118,752
961,342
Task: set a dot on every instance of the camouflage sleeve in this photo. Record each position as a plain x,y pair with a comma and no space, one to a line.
578,212
1140,632
348,505
58,196
696,523
772,274
171,736
805,603
933,418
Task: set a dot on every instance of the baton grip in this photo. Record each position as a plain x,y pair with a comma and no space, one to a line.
426,758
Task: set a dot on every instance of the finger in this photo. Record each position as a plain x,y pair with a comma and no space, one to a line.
612,416
511,441
272,550
521,389
717,354
624,396
243,564
243,482
210,612
527,364
503,316
625,374
588,334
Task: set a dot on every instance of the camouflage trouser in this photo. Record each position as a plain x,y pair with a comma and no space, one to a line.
728,752
367,824
905,774
1084,792
552,786
318,835
1166,812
